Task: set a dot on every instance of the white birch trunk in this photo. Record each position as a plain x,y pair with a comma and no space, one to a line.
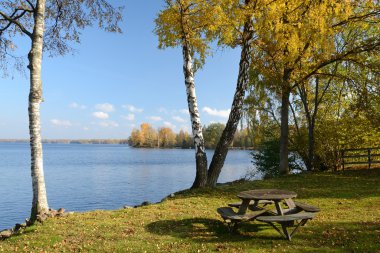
200,154
39,203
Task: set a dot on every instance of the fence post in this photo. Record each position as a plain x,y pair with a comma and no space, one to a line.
342,158
369,158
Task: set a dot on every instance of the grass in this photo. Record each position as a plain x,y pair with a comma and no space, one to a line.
349,221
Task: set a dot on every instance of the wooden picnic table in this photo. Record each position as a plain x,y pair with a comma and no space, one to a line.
286,218
296,214
275,195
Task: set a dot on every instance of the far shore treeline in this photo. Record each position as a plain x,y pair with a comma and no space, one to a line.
70,141
165,137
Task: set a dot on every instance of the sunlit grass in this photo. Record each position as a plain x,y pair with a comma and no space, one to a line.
349,222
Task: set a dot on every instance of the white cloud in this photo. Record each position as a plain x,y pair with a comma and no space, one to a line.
178,119
108,124
214,112
129,117
86,128
77,106
64,123
100,115
155,118
132,108
184,111
106,107
162,110
169,124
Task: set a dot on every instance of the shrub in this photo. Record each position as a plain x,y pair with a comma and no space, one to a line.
266,159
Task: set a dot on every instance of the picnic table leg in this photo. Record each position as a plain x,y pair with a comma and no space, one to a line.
286,232
244,206
290,203
278,208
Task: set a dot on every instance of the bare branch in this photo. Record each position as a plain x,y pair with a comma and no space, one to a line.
17,23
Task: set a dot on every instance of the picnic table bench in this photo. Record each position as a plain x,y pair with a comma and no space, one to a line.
233,219
287,221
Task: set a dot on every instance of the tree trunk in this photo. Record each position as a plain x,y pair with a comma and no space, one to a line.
39,204
200,154
311,154
284,137
236,109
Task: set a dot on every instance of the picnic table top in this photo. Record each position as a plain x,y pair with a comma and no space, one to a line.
267,194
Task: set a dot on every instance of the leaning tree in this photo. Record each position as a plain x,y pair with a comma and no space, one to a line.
52,26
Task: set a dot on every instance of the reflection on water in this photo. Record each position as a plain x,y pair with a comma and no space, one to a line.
88,177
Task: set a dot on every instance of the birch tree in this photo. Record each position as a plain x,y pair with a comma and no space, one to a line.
189,24
238,31
50,25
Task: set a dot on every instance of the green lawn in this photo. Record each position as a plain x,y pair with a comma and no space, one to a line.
349,222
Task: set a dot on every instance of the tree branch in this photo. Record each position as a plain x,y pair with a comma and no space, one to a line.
18,24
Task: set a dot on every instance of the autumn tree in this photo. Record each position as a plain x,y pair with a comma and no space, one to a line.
183,139
148,136
166,137
50,26
237,29
296,40
188,24
135,139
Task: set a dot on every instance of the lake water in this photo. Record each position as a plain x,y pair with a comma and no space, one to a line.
88,177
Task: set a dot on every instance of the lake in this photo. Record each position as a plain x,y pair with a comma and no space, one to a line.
83,177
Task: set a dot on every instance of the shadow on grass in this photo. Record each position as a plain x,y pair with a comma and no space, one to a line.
20,233
207,230
314,237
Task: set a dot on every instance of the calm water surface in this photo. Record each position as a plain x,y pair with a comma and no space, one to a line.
88,177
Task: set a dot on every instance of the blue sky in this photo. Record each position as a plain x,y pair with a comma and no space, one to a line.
115,82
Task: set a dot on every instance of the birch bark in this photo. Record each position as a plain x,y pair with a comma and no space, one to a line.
236,110
39,202
200,154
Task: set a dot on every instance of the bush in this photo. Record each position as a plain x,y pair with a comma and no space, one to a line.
266,159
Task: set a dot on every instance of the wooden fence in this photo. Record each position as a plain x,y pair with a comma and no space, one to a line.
360,156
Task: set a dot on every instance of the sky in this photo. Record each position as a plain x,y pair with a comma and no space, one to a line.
115,82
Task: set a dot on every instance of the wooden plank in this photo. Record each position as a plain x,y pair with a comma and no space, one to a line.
286,218
306,207
228,213
251,203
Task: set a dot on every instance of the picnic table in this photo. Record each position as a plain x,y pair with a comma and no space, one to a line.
295,214
275,195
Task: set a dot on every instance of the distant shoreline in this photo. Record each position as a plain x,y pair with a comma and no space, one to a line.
100,141
69,141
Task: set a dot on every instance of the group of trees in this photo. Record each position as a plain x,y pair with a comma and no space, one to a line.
325,74
291,51
148,137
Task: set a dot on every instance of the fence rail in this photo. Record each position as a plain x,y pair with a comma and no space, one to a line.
360,156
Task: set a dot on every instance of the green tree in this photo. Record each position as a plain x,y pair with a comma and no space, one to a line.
212,134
